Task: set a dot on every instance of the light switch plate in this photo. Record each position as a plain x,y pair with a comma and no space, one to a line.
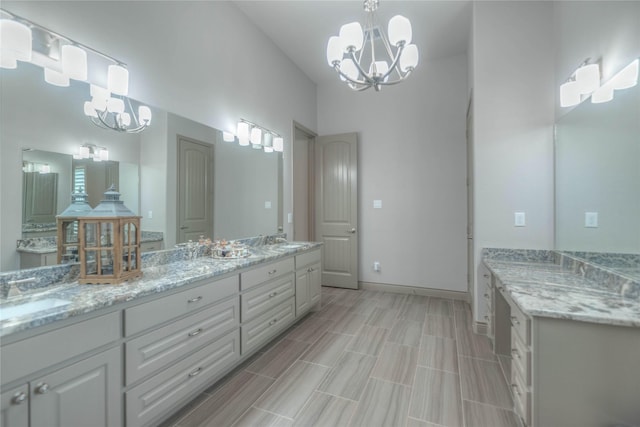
267,204
377,204
591,219
519,219
290,218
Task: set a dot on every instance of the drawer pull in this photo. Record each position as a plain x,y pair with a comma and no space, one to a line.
273,322
272,272
195,372
18,398
516,353
515,389
273,294
196,299
486,276
42,388
311,270
514,321
486,296
196,332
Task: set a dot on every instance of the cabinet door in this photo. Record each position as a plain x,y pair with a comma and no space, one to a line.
15,407
302,291
86,393
315,287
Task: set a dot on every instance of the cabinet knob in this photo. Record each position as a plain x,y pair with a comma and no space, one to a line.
18,398
195,372
486,276
515,389
273,322
196,299
272,272
273,294
515,352
42,388
196,332
514,321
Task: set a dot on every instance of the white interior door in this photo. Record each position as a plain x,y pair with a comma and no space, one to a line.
336,168
195,190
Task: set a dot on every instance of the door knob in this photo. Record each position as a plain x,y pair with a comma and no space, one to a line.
42,388
183,227
352,231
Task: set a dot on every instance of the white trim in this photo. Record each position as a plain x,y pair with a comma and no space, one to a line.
413,290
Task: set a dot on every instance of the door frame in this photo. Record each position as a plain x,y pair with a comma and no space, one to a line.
471,276
311,184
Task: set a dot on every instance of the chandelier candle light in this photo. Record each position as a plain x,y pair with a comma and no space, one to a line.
348,52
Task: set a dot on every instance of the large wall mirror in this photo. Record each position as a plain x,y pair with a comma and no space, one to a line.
598,177
44,124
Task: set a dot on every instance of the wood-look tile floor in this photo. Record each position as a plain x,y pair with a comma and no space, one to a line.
365,358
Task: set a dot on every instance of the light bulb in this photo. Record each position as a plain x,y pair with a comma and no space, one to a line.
334,50
399,30
74,62
118,80
16,39
351,36
379,68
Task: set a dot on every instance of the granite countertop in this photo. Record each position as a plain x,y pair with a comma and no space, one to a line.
568,291
47,245
81,299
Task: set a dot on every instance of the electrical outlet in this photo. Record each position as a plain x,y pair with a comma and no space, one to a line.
376,266
519,219
150,214
591,219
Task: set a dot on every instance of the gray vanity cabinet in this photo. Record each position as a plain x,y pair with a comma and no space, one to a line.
308,284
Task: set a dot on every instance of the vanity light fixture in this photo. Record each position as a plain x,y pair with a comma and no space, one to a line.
228,136
93,152
582,82
624,79
347,52
258,137
63,59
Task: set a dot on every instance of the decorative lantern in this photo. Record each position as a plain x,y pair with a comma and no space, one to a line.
109,242
68,227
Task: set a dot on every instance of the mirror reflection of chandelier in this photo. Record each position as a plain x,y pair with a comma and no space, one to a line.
64,59
355,47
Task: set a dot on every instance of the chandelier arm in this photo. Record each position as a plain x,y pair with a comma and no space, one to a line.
366,76
394,64
349,79
135,118
400,80
102,117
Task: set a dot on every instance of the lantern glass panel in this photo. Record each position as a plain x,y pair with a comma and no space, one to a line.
133,265
125,234
106,262
70,231
91,264
90,235
106,234
134,234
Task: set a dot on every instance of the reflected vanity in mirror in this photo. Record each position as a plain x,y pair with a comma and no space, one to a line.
598,182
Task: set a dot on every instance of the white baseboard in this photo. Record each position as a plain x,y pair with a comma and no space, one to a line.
413,290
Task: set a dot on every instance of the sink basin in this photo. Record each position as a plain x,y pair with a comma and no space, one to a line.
292,245
18,310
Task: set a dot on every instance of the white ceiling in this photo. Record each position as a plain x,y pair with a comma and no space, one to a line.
301,28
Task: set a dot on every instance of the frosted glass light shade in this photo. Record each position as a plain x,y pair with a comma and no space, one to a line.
98,92
55,78
228,137
268,149
351,36
569,94
243,133
602,94
627,77
8,60
89,110
74,62
409,58
268,140
588,78
350,69
256,136
399,30
15,39
99,104
118,80
84,152
334,50
115,105
144,114
278,144
124,119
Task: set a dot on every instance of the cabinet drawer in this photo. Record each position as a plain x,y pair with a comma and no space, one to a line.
156,312
521,396
520,358
520,323
261,329
32,354
157,349
264,297
148,401
308,258
266,272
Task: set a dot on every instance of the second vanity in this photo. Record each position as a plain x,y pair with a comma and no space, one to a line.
132,354
568,336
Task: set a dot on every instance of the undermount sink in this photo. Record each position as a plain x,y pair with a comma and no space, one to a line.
7,312
292,245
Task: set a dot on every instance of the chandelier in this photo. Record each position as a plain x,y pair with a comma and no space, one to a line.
355,47
64,59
